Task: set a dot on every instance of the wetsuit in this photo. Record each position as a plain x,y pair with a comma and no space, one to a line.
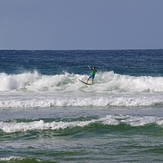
93,73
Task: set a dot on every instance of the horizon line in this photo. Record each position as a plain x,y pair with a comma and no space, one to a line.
79,49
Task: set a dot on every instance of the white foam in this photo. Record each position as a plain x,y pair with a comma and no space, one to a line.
10,158
30,100
40,125
31,89
10,127
15,158
105,82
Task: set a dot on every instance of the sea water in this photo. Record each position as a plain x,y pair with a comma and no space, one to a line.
48,115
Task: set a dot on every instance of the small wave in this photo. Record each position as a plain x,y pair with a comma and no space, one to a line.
105,82
109,120
16,159
10,158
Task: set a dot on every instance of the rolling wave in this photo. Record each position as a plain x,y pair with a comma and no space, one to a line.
105,82
109,120
31,89
16,159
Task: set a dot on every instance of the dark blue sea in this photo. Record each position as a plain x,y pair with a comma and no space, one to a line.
48,115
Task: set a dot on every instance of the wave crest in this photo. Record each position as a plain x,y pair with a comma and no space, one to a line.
113,120
105,82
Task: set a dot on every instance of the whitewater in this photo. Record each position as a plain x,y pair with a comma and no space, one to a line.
32,89
112,120
105,82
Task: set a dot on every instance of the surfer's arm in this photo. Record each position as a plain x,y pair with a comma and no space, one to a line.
90,67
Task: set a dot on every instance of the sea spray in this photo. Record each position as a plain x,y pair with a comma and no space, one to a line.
105,82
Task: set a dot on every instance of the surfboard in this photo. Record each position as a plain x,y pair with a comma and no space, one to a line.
84,82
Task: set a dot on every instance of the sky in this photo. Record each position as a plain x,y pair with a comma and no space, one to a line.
81,24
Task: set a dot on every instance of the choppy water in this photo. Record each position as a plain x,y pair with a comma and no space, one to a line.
48,115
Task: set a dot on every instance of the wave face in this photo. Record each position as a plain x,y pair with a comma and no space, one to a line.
105,82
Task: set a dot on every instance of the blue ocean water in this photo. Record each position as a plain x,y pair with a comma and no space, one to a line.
130,62
48,115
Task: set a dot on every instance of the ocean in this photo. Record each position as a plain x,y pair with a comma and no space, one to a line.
48,115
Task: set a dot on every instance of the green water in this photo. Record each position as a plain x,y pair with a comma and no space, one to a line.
98,141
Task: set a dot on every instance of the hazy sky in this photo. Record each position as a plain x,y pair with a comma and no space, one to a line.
81,24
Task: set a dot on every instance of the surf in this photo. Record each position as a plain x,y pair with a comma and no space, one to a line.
105,82
42,100
108,120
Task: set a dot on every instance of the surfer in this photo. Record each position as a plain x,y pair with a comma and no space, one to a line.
92,74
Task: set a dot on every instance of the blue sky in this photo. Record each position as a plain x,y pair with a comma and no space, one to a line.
81,24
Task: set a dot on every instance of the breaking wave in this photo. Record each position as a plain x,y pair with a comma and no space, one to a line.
109,120
105,82
17,159
31,89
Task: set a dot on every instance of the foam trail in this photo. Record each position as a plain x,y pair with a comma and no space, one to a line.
105,82
10,127
81,100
